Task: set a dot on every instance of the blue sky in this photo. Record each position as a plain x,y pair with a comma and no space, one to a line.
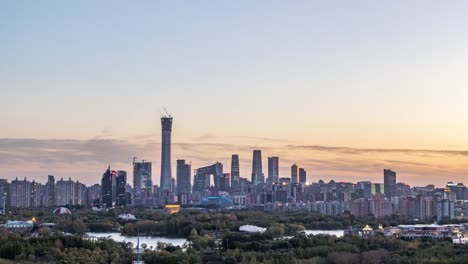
360,74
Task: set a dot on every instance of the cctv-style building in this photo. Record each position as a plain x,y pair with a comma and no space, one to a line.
202,179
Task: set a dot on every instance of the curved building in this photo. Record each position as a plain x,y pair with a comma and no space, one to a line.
202,178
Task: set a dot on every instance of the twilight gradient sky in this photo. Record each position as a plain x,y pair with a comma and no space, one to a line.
343,88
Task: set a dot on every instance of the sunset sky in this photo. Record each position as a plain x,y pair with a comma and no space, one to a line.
342,88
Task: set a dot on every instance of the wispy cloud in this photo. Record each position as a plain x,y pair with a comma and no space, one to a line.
357,151
86,159
245,139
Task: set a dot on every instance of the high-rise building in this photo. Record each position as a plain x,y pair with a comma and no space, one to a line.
225,182
106,184
68,192
425,207
302,176
166,174
64,192
4,193
81,194
202,178
20,193
235,174
50,191
294,173
273,170
407,207
377,188
459,189
114,189
366,186
36,194
328,208
445,209
296,192
121,182
183,177
94,194
389,183
142,180
257,174
379,206
360,207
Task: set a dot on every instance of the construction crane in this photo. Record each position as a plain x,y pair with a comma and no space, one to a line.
134,159
167,112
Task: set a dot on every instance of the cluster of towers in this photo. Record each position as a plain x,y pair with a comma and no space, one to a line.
210,177
298,175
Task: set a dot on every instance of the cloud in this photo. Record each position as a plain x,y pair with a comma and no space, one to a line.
70,151
205,137
358,151
87,159
245,139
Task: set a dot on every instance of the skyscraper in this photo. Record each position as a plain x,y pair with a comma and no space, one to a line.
257,175
302,176
273,170
142,180
389,183
294,173
202,178
166,174
121,181
50,191
235,174
225,182
106,183
183,177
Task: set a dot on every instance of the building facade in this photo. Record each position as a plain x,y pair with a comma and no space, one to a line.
257,174
106,185
294,172
121,182
389,183
235,172
142,179
302,176
183,177
166,171
273,170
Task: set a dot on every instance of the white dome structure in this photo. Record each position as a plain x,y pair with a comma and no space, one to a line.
62,211
252,229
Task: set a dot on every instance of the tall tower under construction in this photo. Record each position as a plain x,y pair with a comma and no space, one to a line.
166,175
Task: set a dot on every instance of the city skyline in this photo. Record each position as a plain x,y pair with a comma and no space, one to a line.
120,149
342,92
